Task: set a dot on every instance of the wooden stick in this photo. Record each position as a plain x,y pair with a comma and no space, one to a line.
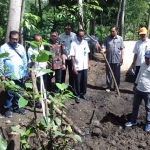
97,56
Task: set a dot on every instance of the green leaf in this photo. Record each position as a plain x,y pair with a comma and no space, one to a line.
42,57
46,70
69,129
22,132
3,143
4,55
62,86
22,102
57,133
77,137
28,85
58,121
43,121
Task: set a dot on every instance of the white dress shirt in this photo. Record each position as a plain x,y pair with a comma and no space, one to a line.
143,78
140,49
80,51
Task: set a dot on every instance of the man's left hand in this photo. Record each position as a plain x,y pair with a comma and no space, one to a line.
63,67
89,66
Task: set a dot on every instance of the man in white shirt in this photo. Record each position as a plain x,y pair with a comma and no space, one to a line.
142,91
80,61
38,65
66,39
139,50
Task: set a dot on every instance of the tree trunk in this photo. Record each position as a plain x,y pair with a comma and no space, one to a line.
122,18
92,27
118,15
80,14
148,26
14,17
40,13
21,18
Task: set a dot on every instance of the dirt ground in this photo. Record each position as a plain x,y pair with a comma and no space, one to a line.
102,118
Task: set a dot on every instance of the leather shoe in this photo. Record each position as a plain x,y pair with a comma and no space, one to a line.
77,100
84,97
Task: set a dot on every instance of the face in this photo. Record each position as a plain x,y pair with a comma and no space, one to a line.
143,37
38,38
113,32
80,36
14,39
147,60
68,30
54,36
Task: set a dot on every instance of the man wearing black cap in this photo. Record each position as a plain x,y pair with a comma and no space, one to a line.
142,91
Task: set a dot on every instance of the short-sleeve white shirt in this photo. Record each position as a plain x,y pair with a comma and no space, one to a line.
80,51
140,49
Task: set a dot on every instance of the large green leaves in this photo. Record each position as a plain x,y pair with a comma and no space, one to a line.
3,143
22,102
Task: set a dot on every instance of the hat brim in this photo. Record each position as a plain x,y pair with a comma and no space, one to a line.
143,33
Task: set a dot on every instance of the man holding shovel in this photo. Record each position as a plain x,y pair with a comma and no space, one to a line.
113,46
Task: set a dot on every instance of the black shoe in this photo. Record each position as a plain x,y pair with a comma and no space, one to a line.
20,111
84,97
38,105
77,100
8,114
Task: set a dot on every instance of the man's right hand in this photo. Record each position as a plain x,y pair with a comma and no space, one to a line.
75,71
103,50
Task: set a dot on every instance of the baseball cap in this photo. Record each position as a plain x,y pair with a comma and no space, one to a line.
147,54
143,30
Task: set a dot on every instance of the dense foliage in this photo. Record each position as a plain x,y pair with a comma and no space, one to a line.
55,13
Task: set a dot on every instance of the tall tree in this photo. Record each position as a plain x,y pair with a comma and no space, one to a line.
148,26
118,14
14,17
122,18
80,14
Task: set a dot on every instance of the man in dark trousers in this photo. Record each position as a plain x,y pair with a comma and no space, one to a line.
66,39
113,45
80,61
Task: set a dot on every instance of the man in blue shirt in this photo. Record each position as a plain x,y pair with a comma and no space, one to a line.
16,64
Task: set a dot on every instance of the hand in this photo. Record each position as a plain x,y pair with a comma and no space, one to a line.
3,78
63,67
103,50
89,67
134,88
121,62
75,71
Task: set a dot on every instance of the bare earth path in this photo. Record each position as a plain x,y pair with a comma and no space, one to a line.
102,118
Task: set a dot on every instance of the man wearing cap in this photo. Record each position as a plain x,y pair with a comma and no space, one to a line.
140,48
142,91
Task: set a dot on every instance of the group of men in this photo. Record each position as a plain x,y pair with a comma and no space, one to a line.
70,50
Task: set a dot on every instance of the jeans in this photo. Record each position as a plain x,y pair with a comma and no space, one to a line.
138,96
80,83
69,66
12,99
116,70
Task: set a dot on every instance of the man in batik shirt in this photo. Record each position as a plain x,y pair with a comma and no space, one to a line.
57,59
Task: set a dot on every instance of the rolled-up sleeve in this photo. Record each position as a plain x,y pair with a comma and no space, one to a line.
1,63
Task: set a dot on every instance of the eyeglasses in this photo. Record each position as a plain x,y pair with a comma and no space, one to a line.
14,39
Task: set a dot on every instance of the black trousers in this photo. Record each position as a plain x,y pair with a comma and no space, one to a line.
80,83
69,66
58,75
116,70
137,71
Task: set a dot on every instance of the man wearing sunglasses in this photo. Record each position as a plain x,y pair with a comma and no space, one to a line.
66,39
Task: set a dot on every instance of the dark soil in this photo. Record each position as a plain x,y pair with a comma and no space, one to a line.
102,118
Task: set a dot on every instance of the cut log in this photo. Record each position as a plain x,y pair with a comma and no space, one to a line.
14,141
